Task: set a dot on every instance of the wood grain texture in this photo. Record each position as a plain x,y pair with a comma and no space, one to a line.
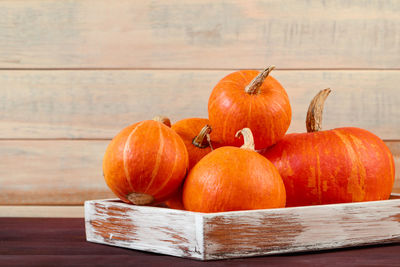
242,233
200,34
166,231
253,233
63,172
51,172
42,211
98,104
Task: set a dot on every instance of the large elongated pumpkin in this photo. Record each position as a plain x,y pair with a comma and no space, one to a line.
145,163
249,99
334,166
232,178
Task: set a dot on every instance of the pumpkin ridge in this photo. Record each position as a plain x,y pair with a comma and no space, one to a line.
270,133
124,157
318,175
356,141
228,113
171,172
281,108
158,159
210,105
357,189
248,121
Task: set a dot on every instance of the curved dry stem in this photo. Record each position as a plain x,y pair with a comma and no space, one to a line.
255,84
315,110
247,138
201,140
163,119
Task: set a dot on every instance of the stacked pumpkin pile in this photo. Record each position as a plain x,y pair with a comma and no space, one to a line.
240,158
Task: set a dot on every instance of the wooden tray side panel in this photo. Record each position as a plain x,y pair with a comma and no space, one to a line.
253,233
152,229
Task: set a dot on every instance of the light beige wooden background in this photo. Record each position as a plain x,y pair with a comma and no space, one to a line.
74,72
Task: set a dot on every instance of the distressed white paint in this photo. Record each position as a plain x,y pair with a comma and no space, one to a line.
303,229
152,229
245,233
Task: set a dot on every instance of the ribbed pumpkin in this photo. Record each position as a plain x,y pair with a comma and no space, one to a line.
334,166
249,99
232,178
195,134
145,163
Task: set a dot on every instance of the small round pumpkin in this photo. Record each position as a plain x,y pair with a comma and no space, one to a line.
334,166
232,178
195,134
249,99
146,162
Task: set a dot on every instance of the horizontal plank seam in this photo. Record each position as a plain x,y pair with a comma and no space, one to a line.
197,69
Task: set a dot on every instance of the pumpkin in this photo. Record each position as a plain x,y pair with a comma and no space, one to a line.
146,162
333,166
231,178
249,99
175,202
195,134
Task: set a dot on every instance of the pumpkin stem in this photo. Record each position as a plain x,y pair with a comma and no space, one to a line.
247,137
254,86
209,141
200,141
314,113
163,120
140,198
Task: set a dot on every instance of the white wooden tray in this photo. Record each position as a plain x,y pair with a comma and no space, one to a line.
208,236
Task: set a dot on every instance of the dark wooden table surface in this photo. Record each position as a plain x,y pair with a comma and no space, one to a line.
61,242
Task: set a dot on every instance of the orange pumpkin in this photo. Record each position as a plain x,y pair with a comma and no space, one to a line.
232,178
175,202
145,163
195,134
334,166
249,99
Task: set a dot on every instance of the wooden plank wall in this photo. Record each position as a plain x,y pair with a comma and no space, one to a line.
74,72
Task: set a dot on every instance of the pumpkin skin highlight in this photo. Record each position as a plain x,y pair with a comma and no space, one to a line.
231,178
266,112
146,158
334,166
